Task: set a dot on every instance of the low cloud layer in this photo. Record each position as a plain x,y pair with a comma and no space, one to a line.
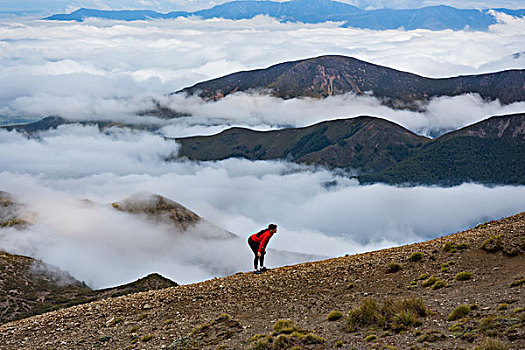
110,70
318,212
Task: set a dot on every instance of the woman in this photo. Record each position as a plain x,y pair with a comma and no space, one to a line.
258,242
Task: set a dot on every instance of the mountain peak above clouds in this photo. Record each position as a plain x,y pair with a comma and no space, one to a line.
330,75
318,11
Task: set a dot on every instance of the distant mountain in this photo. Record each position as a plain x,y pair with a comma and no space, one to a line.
316,11
366,143
334,75
490,152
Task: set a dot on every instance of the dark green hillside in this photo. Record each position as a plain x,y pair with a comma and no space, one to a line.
491,152
366,143
334,75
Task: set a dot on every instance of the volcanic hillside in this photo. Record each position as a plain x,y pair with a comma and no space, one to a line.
456,292
334,75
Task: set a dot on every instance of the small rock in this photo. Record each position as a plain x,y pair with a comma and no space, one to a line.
147,307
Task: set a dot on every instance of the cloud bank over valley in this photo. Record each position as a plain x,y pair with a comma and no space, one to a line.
68,177
318,212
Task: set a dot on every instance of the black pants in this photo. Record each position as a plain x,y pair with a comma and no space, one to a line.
255,249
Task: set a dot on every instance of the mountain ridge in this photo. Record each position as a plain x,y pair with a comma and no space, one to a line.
439,17
330,75
488,152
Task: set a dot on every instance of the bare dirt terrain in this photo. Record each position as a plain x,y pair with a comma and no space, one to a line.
377,293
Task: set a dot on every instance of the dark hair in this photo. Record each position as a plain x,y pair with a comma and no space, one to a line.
272,226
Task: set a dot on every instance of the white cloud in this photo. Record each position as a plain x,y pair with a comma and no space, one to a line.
109,70
54,172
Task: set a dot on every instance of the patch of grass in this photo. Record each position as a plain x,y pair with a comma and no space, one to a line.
430,337
491,344
423,276
503,306
334,315
493,243
133,329
339,344
405,319
417,256
350,285
518,310
451,247
284,327
518,283
445,266
438,285
463,276
146,338
371,337
168,321
397,314
459,312
142,316
393,267
430,281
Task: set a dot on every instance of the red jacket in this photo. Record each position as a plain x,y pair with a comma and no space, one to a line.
262,239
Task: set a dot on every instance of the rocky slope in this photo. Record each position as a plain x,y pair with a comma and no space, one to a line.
456,292
334,75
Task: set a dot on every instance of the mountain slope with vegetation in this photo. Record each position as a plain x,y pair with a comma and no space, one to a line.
335,75
366,143
490,151
461,291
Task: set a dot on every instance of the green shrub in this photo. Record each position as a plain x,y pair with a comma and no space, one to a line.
417,256
518,310
493,243
367,314
459,312
463,276
334,315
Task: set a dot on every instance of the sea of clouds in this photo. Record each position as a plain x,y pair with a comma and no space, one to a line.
106,70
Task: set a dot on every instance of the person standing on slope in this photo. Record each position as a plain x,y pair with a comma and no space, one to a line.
258,242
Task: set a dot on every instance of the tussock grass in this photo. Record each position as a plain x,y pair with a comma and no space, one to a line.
393,267
417,256
491,344
395,314
459,312
463,276
493,243
334,315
